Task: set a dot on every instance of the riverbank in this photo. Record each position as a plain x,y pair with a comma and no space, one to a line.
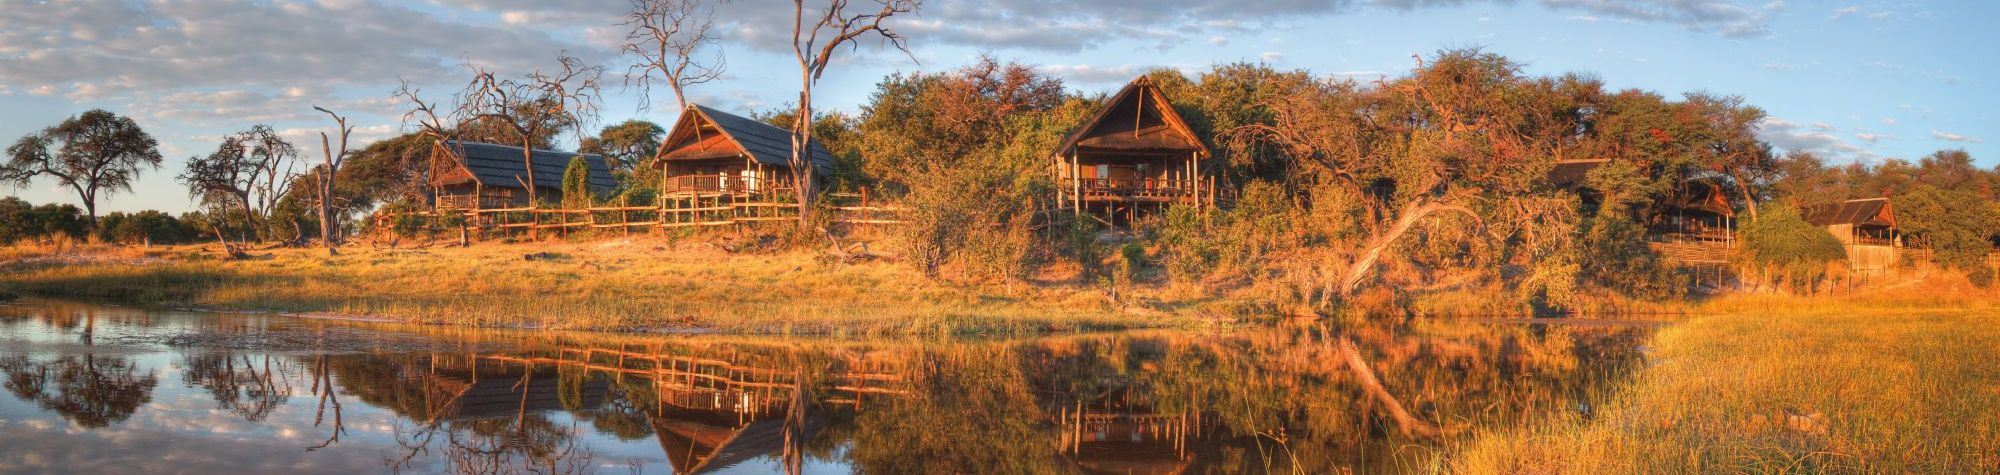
1806,393
604,285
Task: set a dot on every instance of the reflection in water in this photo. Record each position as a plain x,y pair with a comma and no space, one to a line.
1303,399
92,391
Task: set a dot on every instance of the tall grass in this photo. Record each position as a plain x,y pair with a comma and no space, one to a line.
1820,393
603,285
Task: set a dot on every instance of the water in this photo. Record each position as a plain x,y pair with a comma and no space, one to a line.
98,389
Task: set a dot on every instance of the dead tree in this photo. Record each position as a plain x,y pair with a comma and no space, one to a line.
666,36
814,47
534,104
327,224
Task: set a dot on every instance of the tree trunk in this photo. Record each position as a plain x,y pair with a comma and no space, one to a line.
1749,200
1412,213
1410,425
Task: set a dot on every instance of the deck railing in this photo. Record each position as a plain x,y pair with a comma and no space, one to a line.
472,202
723,184
1134,187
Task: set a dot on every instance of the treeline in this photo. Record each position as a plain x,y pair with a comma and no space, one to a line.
22,223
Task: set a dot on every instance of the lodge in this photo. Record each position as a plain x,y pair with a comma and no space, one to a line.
475,175
1134,157
1865,227
710,152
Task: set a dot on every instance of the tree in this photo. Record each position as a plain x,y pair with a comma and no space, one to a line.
1782,247
533,105
1957,224
1730,145
667,35
254,167
95,153
815,53
576,184
329,171
626,145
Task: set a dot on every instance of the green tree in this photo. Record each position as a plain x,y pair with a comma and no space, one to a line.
1782,248
1958,225
93,154
576,184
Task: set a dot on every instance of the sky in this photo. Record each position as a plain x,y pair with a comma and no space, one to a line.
1850,80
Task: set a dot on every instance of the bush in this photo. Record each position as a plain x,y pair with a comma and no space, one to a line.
1783,249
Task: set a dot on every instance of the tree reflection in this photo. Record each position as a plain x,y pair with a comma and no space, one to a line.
251,389
89,390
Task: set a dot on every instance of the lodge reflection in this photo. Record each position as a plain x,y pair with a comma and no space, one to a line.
1307,398
1285,399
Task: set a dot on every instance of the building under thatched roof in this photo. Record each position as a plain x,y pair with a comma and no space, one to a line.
711,151
1135,154
473,175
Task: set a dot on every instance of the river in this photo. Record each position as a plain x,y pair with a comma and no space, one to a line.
105,389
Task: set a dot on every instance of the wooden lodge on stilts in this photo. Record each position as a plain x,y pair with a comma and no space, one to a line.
1134,157
720,168
471,176
1866,227
1694,225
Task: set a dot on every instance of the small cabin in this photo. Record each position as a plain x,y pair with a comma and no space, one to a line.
1869,221
1133,157
1697,210
478,175
1866,227
710,152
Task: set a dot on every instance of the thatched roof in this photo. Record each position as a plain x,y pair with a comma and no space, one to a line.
705,133
1570,174
1864,212
1138,119
500,166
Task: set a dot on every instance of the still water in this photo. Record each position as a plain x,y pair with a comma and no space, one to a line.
100,389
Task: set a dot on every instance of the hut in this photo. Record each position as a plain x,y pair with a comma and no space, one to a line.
1697,210
1134,156
477,175
1866,227
710,152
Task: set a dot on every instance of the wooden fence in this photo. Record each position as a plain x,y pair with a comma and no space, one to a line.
679,210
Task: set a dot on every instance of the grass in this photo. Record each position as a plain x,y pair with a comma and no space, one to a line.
1809,393
607,285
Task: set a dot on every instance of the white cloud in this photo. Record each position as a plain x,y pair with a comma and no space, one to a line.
1218,41
1871,138
1951,137
1888,121
1842,12
1098,75
1792,136
1271,57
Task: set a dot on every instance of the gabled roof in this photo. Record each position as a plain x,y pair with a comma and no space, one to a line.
768,144
1151,124
1865,212
1570,174
500,166
1700,195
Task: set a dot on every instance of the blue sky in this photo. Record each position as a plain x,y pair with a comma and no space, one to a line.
1851,80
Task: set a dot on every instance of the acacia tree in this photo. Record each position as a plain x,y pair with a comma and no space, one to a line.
94,154
1729,144
533,105
1465,136
814,47
329,171
254,167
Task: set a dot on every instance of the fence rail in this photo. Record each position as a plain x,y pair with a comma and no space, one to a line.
672,211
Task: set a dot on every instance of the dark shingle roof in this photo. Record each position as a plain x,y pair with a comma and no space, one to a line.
767,143
1872,211
496,165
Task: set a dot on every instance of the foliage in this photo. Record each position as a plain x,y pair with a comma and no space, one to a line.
1786,250
94,154
576,184
1957,224
21,221
144,227
254,169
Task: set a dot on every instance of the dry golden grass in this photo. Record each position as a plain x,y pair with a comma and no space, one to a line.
1817,393
615,284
